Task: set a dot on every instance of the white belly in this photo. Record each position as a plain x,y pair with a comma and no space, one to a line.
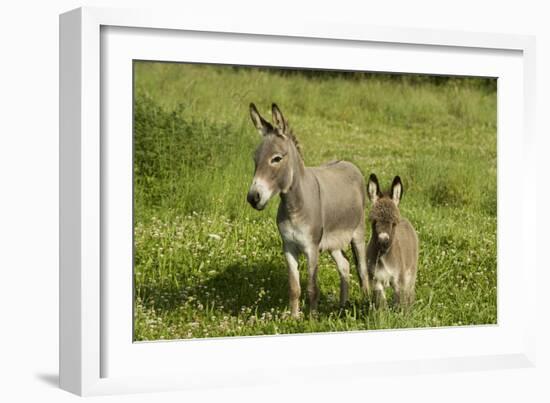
300,236
294,234
383,276
336,240
384,273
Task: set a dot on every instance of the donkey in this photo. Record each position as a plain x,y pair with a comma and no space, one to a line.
392,252
321,208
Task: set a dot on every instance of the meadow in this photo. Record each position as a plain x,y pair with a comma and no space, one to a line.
206,264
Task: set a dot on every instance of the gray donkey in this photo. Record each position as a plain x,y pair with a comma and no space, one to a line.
392,252
322,208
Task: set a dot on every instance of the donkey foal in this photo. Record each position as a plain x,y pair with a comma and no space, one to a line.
392,252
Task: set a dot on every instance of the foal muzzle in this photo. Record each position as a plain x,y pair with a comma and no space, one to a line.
383,241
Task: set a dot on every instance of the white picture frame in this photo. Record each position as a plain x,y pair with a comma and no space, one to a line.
96,354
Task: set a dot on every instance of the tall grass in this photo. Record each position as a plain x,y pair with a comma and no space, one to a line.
206,264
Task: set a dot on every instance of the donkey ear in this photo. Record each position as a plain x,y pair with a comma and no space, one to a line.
278,118
396,190
263,126
373,188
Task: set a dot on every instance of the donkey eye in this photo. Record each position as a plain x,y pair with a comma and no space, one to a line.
276,159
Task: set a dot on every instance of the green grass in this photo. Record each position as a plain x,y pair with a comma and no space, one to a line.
207,264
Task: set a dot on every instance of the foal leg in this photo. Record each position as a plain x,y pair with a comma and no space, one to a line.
408,293
291,256
360,253
312,285
379,295
398,294
343,269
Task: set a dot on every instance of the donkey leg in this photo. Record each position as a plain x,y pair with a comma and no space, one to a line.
412,285
291,256
411,294
399,294
408,293
360,253
408,298
379,295
343,269
312,285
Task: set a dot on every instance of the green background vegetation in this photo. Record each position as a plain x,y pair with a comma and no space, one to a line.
207,264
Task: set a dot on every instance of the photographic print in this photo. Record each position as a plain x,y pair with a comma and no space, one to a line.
273,201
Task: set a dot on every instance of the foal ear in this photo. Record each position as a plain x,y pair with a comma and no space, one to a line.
263,126
396,190
373,188
278,118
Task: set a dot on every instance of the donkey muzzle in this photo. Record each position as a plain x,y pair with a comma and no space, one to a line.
383,240
259,194
254,197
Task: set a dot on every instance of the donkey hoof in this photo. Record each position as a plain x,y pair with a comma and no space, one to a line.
297,315
345,307
313,314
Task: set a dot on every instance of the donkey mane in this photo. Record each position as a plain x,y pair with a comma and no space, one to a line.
290,134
